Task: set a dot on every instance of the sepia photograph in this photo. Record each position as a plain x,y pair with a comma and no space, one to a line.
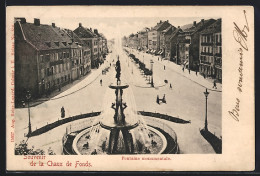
124,87
151,89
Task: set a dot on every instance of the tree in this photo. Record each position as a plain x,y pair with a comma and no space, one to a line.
22,149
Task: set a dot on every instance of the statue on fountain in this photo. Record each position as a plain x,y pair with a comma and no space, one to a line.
118,71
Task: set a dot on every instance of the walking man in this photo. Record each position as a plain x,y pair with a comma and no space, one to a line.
214,84
170,85
164,67
62,112
157,99
101,82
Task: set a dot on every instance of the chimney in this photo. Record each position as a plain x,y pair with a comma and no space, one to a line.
167,21
202,21
37,22
90,29
179,27
194,23
160,21
80,24
53,25
95,31
22,20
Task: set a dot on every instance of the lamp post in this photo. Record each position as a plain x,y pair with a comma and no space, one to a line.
28,96
151,61
206,120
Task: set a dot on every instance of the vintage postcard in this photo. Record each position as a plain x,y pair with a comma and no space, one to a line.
130,88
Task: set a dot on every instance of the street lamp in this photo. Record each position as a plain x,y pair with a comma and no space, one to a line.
28,96
151,61
206,120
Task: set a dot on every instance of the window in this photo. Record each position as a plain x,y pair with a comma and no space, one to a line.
52,70
60,54
41,58
56,56
47,71
57,69
47,58
42,73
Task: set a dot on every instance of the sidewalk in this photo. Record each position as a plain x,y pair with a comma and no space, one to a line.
94,73
198,79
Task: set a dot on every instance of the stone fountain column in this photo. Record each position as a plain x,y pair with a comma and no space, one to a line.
120,124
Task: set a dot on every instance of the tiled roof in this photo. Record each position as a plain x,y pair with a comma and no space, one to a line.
42,37
214,28
146,29
161,26
103,36
200,26
84,32
169,30
175,32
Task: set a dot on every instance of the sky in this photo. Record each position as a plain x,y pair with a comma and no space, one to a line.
112,21
114,27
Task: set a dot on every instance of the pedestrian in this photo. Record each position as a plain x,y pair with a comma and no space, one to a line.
204,75
164,67
101,82
196,72
214,84
164,98
189,70
158,58
183,69
62,112
157,100
170,85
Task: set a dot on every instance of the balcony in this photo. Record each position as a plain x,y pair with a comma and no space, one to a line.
205,62
206,44
205,53
56,62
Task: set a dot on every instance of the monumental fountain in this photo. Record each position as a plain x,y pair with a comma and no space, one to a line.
122,133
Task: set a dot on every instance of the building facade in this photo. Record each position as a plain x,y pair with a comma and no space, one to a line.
154,35
188,44
211,51
143,39
44,58
165,47
92,41
174,46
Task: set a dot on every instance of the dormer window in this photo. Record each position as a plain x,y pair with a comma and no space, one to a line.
48,44
57,43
